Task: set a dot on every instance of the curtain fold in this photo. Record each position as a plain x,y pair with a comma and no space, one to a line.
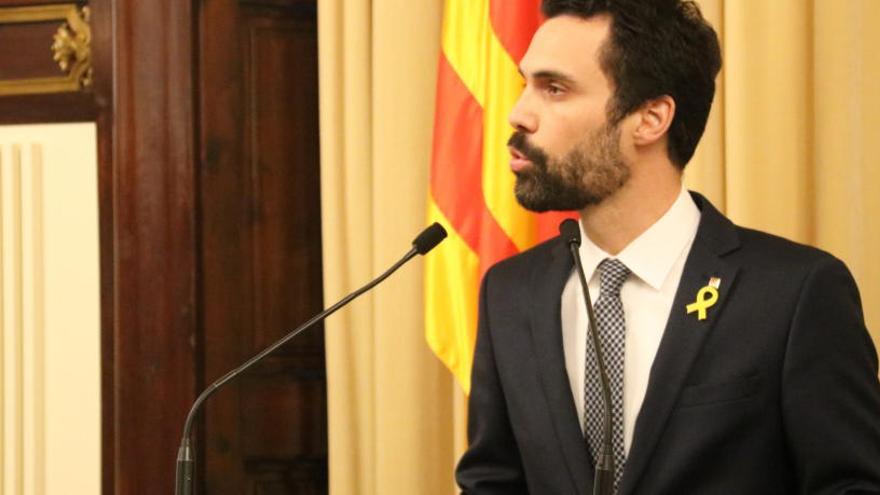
787,147
391,404
787,150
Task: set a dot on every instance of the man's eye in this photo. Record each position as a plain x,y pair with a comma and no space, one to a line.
554,90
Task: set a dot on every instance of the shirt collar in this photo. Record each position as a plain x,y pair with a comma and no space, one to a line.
651,255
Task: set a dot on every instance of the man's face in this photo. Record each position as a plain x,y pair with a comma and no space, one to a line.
565,154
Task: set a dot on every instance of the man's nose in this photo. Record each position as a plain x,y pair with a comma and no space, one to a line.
522,117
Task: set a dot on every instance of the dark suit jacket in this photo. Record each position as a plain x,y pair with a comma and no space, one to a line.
775,392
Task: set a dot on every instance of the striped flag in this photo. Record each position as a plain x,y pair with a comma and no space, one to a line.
471,182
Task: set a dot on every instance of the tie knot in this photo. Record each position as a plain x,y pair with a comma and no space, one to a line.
612,275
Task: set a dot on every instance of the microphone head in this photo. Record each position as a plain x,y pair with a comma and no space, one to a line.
570,231
429,238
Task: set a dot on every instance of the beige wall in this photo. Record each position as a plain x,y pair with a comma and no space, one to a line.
49,311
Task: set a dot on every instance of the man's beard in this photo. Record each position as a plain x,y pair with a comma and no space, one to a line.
587,175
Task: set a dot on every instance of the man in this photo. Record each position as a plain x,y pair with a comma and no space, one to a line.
739,362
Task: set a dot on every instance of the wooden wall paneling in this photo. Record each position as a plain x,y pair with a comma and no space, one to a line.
261,239
102,92
154,241
23,50
20,3
226,275
209,234
52,108
282,153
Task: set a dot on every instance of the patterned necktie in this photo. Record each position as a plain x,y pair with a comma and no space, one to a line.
612,332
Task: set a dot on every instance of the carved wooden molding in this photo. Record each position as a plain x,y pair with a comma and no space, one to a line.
70,48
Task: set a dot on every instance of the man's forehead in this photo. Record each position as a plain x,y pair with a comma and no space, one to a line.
566,44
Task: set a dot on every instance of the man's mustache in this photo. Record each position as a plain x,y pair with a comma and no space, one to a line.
519,141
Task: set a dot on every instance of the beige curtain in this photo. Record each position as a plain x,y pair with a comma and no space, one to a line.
786,151
788,147
391,403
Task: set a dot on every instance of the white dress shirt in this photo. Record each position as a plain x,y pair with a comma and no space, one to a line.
656,259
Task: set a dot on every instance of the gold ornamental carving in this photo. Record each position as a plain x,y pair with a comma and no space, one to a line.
70,47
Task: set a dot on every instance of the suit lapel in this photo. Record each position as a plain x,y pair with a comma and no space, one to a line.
684,336
546,328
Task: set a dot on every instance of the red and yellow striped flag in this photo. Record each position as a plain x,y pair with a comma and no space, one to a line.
471,182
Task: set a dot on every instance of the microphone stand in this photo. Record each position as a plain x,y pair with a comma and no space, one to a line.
603,481
426,241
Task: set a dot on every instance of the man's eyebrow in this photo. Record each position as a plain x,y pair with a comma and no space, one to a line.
550,74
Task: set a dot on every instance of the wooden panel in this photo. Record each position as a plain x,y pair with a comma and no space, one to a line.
225,231
25,50
261,236
282,153
282,150
273,404
64,107
182,300
154,243
100,101
25,3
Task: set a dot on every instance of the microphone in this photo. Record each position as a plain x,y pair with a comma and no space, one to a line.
429,238
603,482
424,242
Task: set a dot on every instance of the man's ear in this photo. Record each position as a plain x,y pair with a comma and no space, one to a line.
655,117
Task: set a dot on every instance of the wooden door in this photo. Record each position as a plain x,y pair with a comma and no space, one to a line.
260,271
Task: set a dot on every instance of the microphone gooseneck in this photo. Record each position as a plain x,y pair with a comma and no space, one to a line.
603,482
424,242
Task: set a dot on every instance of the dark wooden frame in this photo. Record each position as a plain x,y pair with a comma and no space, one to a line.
152,236
155,238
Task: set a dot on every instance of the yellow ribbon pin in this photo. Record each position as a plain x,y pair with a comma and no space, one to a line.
706,298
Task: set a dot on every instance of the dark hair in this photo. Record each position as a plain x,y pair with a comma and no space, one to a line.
656,48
